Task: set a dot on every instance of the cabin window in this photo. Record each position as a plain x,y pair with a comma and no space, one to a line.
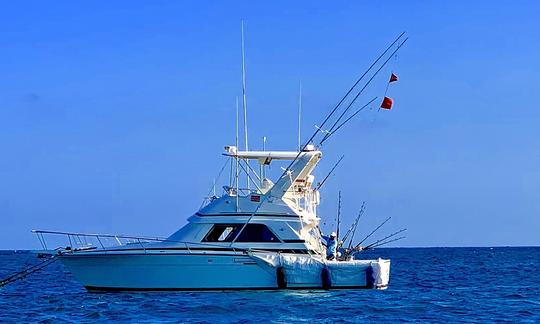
222,233
257,233
251,233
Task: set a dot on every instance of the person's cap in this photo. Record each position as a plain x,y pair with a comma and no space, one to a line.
333,234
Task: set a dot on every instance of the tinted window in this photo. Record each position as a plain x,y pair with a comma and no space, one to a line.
257,233
222,233
251,233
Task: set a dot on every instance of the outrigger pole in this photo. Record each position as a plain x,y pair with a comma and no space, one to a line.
329,115
330,133
360,79
365,85
329,173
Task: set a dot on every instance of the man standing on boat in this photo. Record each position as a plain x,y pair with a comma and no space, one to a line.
331,246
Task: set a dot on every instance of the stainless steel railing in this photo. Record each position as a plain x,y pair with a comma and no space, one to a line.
85,241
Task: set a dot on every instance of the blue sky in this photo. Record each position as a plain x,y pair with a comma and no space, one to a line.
113,115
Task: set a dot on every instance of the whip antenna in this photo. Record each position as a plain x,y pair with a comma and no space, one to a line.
236,176
244,100
299,116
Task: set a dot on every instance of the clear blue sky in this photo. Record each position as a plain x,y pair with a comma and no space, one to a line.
113,115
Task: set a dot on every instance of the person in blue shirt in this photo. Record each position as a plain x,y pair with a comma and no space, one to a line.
331,246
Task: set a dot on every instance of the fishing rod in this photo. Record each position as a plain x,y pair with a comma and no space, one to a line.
366,72
362,210
329,173
365,238
387,242
387,237
349,231
329,134
354,224
338,216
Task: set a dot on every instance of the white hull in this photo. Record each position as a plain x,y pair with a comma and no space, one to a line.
172,271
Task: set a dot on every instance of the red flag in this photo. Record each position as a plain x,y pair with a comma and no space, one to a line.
393,78
387,103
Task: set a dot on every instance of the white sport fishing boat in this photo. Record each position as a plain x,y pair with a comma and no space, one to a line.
262,238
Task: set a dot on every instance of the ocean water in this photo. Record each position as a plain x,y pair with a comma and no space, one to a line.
427,284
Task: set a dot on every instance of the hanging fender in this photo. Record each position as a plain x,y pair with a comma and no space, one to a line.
370,281
280,277
326,279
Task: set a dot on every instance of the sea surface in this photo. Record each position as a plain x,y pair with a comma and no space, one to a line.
426,284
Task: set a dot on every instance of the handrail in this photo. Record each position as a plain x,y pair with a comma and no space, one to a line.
101,235
142,245
103,247
138,239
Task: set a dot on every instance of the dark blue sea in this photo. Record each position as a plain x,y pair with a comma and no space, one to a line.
427,284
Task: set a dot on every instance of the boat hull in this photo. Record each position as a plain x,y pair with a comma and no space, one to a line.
195,272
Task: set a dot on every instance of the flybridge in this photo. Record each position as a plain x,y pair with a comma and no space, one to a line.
300,169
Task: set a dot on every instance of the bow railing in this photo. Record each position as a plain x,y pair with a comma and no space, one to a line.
72,242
